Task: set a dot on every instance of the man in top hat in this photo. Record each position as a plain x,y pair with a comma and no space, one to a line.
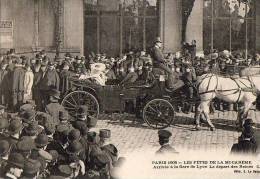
65,74
164,136
64,121
54,107
245,146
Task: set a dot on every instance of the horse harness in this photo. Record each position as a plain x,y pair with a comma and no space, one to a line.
240,89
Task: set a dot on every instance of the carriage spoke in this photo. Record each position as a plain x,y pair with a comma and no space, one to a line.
153,109
66,101
73,100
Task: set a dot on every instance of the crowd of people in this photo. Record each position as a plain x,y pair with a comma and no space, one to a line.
38,138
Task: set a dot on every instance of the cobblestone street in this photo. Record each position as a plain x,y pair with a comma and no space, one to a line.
134,137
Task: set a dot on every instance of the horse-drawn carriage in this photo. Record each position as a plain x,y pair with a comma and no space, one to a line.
157,106
149,102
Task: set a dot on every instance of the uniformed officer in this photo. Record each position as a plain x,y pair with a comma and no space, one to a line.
164,136
245,145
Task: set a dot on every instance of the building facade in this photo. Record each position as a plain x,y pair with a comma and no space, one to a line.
117,26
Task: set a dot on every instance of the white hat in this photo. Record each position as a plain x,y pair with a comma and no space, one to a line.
98,67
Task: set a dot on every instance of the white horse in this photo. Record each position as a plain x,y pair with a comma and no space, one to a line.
233,90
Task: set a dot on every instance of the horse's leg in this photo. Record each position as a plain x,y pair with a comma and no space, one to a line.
244,113
197,116
205,109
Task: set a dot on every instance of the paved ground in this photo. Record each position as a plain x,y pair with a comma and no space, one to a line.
133,137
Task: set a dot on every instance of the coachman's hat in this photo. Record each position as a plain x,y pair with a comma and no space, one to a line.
158,40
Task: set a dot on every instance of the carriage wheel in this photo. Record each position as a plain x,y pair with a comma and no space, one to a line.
73,100
158,113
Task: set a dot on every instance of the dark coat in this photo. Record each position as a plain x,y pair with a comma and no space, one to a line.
17,86
50,80
3,86
244,147
64,80
157,55
166,149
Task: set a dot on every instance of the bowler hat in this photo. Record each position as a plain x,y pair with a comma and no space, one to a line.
158,40
104,133
31,166
45,155
41,140
164,133
15,126
91,136
28,116
4,147
74,147
3,123
74,134
16,159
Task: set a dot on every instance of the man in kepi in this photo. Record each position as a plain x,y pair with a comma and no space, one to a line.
166,148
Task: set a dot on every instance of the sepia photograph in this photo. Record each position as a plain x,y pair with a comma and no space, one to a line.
129,89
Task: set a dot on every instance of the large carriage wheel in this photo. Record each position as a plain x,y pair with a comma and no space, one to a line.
158,113
73,100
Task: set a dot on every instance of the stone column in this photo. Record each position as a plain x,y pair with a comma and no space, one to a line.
194,30
257,11
171,24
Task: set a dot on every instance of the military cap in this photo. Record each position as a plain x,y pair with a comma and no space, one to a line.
74,147
164,133
26,144
31,166
2,107
3,123
32,129
41,140
104,133
55,93
15,126
63,115
54,154
74,134
4,147
28,116
65,170
16,159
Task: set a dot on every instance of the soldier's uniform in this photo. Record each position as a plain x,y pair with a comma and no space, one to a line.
164,136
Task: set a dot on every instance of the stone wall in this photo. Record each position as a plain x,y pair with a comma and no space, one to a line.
257,25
